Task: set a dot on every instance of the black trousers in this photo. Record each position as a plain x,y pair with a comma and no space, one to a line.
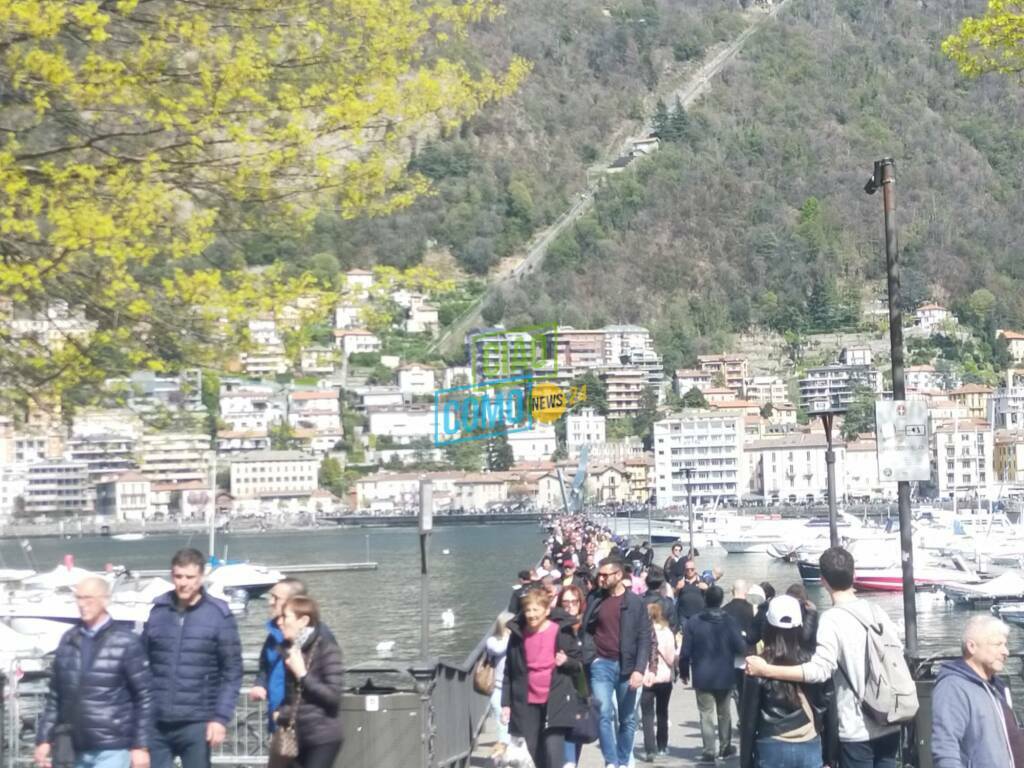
318,756
654,701
546,745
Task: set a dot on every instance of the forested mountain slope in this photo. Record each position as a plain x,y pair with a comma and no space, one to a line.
758,215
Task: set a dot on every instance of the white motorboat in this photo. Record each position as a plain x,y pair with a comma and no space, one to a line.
11,575
231,578
755,534
1007,587
128,537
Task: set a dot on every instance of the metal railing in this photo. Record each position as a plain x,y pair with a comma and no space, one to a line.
427,715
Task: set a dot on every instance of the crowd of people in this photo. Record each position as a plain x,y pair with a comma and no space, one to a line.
121,700
599,626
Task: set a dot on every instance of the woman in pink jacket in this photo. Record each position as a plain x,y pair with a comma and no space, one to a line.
658,687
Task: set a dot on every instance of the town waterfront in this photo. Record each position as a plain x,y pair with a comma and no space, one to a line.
367,607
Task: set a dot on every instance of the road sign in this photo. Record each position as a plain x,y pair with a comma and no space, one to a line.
902,430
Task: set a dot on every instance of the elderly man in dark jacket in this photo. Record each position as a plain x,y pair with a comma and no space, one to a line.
196,659
100,688
711,640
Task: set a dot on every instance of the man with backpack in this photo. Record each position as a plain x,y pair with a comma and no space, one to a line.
859,649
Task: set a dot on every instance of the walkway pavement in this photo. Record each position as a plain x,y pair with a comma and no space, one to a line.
684,743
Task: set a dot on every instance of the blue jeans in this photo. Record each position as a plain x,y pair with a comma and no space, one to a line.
773,753
184,740
572,752
878,753
611,688
501,730
103,758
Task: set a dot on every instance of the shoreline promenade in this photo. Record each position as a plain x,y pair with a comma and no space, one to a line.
684,744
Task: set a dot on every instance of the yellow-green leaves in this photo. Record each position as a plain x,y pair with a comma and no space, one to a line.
134,135
993,42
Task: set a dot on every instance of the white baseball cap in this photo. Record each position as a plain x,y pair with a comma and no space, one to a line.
784,612
755,595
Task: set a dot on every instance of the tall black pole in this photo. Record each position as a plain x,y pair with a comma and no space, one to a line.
830,476
885,177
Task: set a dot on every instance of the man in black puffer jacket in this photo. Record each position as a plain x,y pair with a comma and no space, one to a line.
100,686
195,656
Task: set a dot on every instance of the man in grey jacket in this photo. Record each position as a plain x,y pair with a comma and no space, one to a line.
972,715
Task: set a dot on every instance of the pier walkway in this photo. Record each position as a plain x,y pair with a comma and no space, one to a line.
684,744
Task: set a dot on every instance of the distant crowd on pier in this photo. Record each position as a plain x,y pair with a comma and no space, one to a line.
601,628
120,700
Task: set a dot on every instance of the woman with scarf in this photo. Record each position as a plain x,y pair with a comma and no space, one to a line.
313,684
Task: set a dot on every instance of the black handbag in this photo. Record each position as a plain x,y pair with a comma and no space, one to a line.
588,714
588,721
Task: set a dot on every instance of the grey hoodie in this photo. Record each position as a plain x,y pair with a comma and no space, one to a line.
968,728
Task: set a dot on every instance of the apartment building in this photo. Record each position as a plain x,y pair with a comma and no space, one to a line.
576,349
836,384
624,388
793,469
733,369
536,444
175,458
274,473
686,379
962,459
318,410
104,456
318,360
1006,407
621,341
860,475
402,423
416,379
356,340
859,355
707,443
359,282
653,366
765,389
251,407
12,488
583,427
975,397
124,497
1008,460
931,317
56,489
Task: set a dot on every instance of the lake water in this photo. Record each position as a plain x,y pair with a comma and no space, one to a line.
364,608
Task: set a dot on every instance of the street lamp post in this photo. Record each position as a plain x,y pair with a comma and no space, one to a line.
688,471
884,177
426,524
830,477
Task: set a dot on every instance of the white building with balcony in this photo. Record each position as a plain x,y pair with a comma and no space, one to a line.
837,384
248,407
274,473
416,379
931,317
584,427
175,458
962,459
793,469
125,497
707,443
356,340
56,489
537,444
318,410
863,483
402,423
765,389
